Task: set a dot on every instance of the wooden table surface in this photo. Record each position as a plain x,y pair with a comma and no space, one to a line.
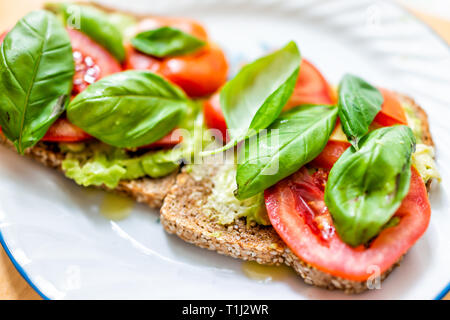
12,285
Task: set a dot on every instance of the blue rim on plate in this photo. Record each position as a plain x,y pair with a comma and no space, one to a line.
19,268
24,274
443,293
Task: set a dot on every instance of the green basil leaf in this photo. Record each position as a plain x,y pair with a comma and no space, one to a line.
128,109
166,41
366,186
359,103
294,139
94,23
36,71
254,98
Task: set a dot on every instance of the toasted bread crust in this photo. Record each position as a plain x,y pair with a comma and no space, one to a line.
182,214
145,190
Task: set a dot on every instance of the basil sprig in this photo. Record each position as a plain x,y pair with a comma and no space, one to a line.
294,139
129,109
93,22
359,103
254,98
166,41
366,186
36,71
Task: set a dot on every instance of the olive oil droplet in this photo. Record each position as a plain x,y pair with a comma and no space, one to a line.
265,273
115,207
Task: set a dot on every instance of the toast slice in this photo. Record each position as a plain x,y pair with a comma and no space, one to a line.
147,190
183,213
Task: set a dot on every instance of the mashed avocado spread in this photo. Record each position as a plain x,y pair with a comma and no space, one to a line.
99,164
423,160
423,157
223,206
96,163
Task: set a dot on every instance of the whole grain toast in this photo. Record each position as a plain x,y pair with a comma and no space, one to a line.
147,190
183,213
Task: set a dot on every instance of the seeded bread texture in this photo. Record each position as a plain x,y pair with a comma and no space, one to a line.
183,214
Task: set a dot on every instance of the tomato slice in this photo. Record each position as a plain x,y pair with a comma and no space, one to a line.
136,60
298,213
212,112
64,131
334,148
330,154
92,61
3,35
391,112
311,87
170,140
198,74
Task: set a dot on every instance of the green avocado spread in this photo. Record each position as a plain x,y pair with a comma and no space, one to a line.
225,208
423,157
96,163
413,121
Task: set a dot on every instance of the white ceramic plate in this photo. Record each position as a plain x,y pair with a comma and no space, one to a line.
66,249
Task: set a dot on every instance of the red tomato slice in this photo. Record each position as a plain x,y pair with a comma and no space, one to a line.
92,61
64,131
334,148
212,112
198,74
136,60
172,139
311,87
298,213
330,154
391,110
3,35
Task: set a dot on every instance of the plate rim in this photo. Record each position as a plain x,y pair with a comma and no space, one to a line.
21,270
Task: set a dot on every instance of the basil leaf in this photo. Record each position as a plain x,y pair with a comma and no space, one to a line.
359,103
254,98
166,41
294,139
128,109
94,23
366,186
36,71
